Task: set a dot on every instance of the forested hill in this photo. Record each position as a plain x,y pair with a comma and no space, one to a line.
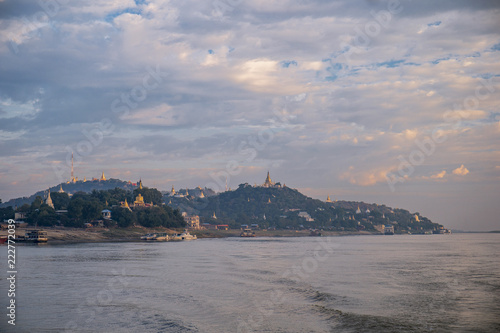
284,207
71,188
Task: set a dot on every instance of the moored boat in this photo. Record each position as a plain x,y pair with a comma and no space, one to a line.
34,236
148,236
157,236
315,233
183,236
3,239
247,233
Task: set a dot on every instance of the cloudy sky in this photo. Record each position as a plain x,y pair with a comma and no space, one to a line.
381,101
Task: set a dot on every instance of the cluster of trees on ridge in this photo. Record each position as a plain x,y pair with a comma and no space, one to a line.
281,208
84,207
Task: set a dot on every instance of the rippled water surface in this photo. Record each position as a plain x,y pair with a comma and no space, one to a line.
432,283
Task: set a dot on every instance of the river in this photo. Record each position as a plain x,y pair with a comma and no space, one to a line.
400,283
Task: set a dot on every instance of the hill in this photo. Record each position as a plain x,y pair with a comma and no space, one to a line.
287,208
71,188
273,206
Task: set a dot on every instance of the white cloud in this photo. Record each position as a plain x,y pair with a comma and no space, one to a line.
439,175
362,113
461,171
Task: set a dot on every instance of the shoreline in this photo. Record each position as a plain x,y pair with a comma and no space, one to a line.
62,235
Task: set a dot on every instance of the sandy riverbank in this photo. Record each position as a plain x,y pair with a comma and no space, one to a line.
74,235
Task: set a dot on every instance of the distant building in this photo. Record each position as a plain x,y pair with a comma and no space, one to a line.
103,178
106,214
124,204
328,199
94,224
139,201
358,211
222,227
388,229
306,216
192,221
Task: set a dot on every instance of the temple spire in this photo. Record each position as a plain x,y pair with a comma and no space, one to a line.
103,178
140,184
268,178
49,201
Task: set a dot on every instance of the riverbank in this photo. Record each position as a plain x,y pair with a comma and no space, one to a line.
61,235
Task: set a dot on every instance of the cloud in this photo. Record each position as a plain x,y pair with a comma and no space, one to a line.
439,175
461,171
161,115
365,177
233,78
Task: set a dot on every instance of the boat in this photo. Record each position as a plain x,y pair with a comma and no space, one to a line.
3,239
183,236
162,236
157,236
247,233
441,231
148,237
34,236
389,230
315,233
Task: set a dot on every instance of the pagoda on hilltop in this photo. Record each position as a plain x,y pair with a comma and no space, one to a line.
269,183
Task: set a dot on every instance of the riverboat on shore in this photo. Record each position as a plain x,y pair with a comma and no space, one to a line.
33,236
157,236
247,233
183,236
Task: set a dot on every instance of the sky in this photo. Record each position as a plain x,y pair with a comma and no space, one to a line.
382,101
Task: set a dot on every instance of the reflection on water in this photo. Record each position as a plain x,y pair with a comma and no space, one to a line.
434,283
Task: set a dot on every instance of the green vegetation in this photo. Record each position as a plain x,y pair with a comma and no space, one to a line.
284,208
85,207
273,207
6,213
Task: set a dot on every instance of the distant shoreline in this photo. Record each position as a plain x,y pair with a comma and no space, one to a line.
62,235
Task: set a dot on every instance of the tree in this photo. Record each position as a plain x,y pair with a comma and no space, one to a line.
123,217
36,203
24,208
75,208
44,216
7,213
92,209
60,200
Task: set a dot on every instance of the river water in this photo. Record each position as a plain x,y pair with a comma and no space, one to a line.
427,283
